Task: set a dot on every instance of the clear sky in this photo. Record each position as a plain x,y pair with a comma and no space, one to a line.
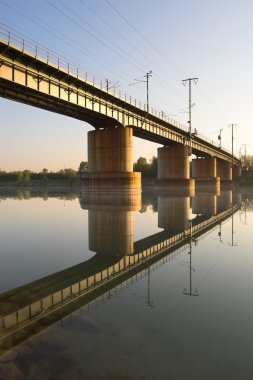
122,40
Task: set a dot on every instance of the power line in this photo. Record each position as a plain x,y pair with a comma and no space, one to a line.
64,40
51,32
143,37
147,41
68,42
92,35
99,33
113,29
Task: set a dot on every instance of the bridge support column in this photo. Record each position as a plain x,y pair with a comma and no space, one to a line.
110,164
174,168
204,170
237,171
224,171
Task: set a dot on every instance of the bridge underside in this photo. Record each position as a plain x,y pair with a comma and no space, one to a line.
16,92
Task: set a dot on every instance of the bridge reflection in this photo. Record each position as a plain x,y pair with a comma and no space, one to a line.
33,307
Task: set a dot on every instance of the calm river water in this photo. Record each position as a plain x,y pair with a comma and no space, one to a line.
155,286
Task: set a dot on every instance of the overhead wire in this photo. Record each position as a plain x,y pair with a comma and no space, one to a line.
92,35
45,47
138,50
65,40
143,37
70,43
101,34
73,20
152,46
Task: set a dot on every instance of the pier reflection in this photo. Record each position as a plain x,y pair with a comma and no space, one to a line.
173,212
31,308
111,222
205,204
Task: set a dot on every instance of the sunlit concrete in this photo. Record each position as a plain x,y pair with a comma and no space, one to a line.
204,171
173,165
237,171
224,170
110,163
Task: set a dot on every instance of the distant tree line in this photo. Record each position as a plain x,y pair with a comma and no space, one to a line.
247,162
69,176
28,177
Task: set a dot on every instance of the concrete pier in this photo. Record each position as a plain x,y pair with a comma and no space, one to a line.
224,170
174,167
110,163
237,171
204,171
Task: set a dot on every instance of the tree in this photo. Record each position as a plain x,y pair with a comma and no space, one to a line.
26,177
141,165
83,167
71,175
153,167
148,169
247,162
19,177
44,176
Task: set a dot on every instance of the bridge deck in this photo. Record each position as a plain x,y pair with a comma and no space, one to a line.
30,79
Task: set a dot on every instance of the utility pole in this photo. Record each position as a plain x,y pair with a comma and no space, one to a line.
110,85
232,129
195,80
140,80
245,153
219,137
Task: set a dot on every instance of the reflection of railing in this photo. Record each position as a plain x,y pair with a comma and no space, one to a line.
124,267
49,57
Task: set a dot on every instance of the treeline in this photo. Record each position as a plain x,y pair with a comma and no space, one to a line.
27,177
68,176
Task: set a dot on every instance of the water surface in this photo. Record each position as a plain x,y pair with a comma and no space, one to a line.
149,287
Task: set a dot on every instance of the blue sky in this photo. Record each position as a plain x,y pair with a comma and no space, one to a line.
121,40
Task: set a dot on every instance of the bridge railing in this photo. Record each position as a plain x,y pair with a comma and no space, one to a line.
38,51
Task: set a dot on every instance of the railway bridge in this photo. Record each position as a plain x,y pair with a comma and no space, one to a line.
34,76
